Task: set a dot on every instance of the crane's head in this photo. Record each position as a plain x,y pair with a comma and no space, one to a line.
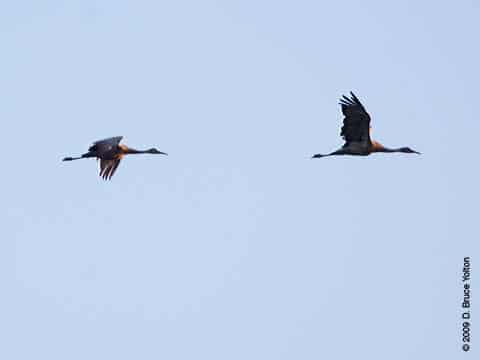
155,151
408,150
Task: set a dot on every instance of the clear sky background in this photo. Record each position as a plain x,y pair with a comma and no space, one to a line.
237,245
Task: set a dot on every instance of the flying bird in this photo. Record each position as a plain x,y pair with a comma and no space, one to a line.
110,152
356,132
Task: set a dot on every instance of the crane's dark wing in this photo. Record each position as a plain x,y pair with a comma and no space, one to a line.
356,124
105,145
108,168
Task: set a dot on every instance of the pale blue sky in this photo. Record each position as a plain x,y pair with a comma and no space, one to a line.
237,246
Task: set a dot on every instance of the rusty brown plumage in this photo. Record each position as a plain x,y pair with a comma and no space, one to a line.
110,152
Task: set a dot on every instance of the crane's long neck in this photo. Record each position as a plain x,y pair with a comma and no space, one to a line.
377,147
135,151
388,150
404,149
148,151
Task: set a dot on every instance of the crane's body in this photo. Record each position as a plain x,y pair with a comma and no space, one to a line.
110,152
356,132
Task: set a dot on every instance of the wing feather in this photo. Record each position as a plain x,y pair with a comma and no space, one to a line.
356,123
108,168
105,145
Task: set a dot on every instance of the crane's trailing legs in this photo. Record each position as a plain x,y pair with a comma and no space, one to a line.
338,152
84,156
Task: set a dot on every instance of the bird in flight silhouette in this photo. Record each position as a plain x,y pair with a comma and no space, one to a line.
356,132
110,152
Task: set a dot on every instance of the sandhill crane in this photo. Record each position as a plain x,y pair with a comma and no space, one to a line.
110,152
356,132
